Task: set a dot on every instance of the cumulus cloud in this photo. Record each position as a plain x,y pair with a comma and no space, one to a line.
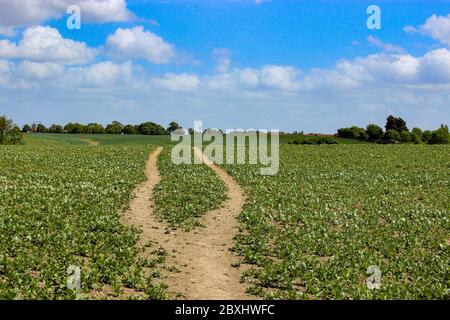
382,69
102,74
176,82
45,44
438,27
137,43
39,71
25,13
435,67
265,77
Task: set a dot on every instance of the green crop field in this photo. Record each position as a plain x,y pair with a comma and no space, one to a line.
86,139
309,232
59,206
312,231
186,192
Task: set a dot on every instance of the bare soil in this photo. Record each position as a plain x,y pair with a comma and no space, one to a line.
202,257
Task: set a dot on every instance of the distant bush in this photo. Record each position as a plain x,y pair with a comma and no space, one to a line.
374,132
147,128
114,128
130,129
415,138
427,135
418,132
151,128
391,136
41,128
56,128
94,128
440,136
396,132
405,136
26,128
314,141
74,128
353,133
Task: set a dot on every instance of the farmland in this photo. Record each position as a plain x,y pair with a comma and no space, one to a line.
186,192
312,231
59,206
309,232
86,139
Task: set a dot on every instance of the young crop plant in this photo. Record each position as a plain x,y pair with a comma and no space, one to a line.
313,230
186,192
60,207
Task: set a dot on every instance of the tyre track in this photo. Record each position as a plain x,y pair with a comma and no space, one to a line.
202,256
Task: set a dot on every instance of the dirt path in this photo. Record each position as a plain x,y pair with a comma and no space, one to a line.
202,257
91,142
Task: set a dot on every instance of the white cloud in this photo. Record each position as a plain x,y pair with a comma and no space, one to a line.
280,77
45,44
382,70
25,13
438,27
102,74
177,82
272,77
9,78
435,67
137,43
7,31
5,71
39,71
223,58
388,47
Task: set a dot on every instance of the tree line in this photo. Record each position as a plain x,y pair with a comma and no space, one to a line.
396,131
115,127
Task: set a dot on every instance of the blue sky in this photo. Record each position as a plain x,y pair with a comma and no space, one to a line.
290,65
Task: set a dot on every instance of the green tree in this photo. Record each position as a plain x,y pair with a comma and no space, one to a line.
130,129
26,128
374,132
440,136
9,132
415,138
353,132
418,131
95,128
56,128
397,124
172,127
151,128
392,135
114,128
74,128
405,136
41,128
426,137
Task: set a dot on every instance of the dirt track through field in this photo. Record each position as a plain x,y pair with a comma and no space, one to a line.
202,256
92,143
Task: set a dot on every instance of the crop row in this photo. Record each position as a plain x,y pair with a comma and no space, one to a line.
313,230
186,192
60,206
